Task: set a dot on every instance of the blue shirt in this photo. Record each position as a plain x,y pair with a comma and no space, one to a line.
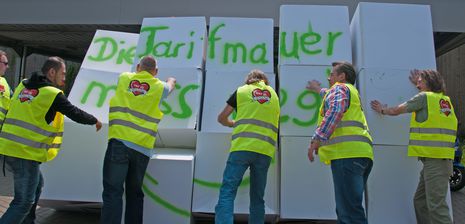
146,151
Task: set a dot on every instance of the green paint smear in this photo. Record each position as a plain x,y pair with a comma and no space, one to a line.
157,199
186,111
314,106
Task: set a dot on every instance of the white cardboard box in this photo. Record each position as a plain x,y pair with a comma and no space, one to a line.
307,190
168,187
392,36
313,34
211,155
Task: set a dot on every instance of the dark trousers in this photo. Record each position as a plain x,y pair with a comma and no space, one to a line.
123,168
28,183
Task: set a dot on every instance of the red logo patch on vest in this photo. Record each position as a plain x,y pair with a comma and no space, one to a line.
27,95
261,96
2,89
137,88
445,106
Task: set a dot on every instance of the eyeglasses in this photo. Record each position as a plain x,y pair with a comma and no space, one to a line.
5,63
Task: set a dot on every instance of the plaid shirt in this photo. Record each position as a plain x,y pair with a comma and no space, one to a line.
336,103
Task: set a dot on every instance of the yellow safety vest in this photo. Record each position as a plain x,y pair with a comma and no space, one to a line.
25,133
256,123
350,138
435,137
4,99
134,112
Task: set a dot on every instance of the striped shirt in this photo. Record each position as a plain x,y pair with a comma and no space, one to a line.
335,105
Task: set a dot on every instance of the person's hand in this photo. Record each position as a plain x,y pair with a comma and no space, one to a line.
98,125
414,75
376,106
313,149
314,86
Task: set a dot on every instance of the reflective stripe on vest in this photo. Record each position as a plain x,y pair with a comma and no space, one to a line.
345,124
347,138
133,126
3,110
135,114
28,142
32,127
431,143
257,123
254,135
442,131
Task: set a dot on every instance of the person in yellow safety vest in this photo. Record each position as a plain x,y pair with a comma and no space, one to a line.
342,140
5,91
254,141
32,133
134,117
433,128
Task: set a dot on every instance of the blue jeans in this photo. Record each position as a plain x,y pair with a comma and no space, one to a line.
350,177
237,164
28,183
123,167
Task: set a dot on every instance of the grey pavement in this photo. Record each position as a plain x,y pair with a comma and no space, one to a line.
51,216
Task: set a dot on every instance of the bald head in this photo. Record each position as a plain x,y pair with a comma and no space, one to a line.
149,64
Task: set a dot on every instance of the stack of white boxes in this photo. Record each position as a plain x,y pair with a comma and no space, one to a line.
389,40
235,46
178,44
311,38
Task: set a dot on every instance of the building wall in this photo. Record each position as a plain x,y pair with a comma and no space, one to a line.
452,66
447,15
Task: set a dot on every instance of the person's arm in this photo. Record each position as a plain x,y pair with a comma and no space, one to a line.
338,99
223,117
392,111
62,105
315,86
231,105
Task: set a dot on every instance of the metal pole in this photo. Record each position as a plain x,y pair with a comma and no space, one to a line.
22,69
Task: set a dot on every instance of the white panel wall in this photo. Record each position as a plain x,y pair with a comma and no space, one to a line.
392,87
311,38
211,154
76,173
313,35
240,44
176,42
306,188
300,107
393,36
168,187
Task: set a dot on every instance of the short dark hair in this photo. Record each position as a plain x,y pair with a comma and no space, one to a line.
148,63
346,68
434,80
54,63
255,76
